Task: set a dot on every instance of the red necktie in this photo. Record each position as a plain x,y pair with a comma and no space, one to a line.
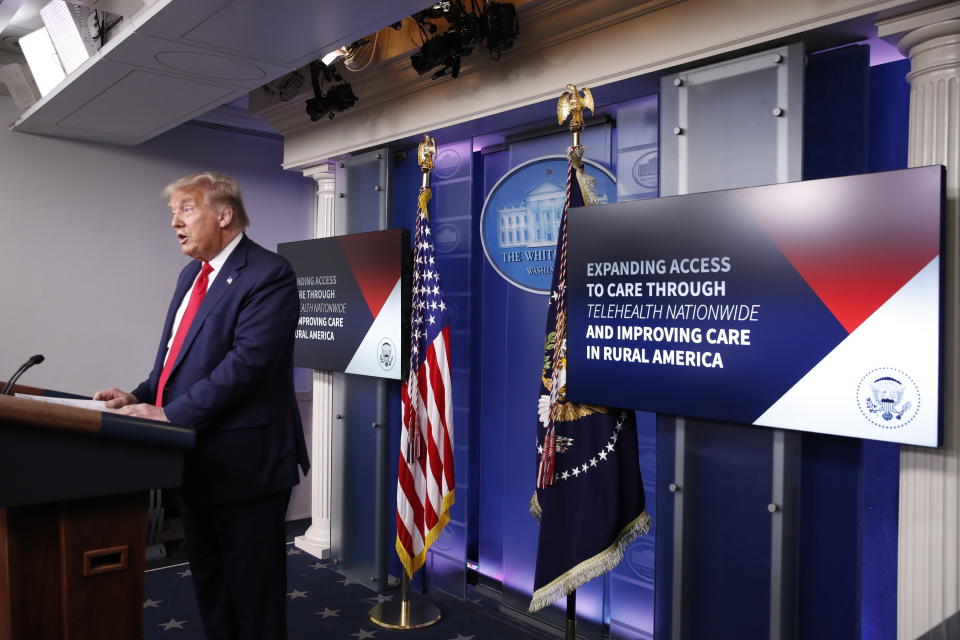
196,297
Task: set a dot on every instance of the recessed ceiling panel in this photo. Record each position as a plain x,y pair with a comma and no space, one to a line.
66,97
143,102
168,57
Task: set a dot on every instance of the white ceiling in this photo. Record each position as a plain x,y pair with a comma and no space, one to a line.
18,17
178,59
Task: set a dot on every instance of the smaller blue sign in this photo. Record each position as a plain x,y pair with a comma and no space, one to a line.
521,217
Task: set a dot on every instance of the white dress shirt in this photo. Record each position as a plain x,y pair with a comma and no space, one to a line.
217,264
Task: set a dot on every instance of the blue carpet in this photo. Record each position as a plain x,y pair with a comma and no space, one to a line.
321,604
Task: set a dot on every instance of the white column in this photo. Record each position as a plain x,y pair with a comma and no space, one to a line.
928,561
316,540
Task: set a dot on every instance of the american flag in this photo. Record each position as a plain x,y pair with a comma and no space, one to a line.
425,482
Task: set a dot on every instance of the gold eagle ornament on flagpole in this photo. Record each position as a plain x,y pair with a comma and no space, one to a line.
571,105
426,152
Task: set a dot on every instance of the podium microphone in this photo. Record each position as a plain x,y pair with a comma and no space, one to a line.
8,388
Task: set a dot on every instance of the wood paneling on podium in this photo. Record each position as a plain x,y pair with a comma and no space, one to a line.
73,517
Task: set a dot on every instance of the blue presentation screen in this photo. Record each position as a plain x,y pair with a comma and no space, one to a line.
813,306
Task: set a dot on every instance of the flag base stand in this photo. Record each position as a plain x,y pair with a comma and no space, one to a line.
405,614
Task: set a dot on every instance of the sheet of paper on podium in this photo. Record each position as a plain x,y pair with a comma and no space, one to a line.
96,405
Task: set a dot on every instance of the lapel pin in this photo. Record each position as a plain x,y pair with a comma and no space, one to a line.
230,280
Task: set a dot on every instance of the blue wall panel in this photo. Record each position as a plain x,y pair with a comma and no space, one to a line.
880,470
451,214
631,602
491,408
835,144
835,113
889,116
638,158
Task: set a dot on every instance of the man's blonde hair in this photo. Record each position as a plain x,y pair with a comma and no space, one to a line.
219,190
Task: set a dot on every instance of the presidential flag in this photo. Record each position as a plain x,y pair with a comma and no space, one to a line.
425,483
589,497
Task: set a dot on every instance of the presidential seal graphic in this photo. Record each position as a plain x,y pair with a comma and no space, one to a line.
888,398
521,218
386,354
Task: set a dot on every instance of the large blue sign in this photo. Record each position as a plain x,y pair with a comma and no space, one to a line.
521,217
811,305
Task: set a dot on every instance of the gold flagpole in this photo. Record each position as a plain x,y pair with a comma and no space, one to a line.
411,613
571,105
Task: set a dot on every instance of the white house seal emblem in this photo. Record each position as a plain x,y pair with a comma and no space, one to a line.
888,398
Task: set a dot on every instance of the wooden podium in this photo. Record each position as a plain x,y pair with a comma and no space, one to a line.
73,517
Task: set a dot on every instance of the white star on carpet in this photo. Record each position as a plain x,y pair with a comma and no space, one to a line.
362,634
151,603
173,624
380,599
348,581
293,595
184,574
326,613
319,565
293,551
460,637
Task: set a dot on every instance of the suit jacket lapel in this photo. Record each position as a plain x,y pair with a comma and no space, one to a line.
222,283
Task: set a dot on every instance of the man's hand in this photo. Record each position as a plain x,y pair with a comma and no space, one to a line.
115,398
143,410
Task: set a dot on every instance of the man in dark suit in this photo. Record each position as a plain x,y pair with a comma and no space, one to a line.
224,367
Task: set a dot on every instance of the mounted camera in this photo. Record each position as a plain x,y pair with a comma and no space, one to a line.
339,97
502,27
496,23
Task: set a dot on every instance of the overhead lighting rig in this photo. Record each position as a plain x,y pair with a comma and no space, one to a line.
494,24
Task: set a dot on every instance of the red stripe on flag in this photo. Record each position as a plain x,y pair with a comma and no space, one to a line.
425,479
408,485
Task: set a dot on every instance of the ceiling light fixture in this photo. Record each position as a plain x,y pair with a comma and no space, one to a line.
332,57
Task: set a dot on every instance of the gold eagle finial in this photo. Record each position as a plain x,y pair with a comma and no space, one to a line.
572,104
426,152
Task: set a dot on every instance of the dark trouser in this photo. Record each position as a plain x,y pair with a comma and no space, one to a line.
239,564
